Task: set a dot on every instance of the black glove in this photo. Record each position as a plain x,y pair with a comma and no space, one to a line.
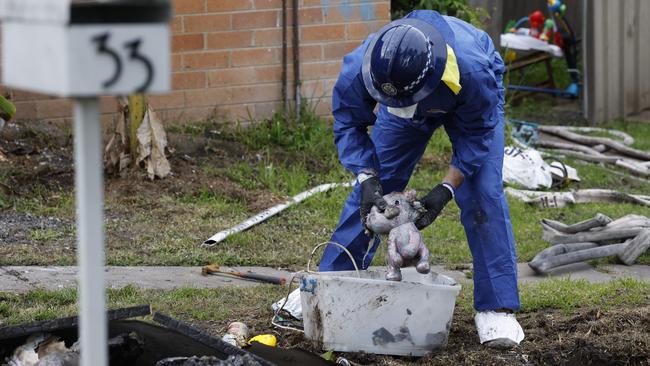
371,195
433,202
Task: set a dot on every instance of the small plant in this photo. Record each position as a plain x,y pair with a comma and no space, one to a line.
43,235
456,8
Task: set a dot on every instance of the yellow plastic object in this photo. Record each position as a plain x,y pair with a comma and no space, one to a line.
451,75
267,339
510,56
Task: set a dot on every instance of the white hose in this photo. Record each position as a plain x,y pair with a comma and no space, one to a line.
266,214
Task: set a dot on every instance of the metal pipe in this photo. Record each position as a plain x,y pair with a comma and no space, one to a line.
89,187
285,99
296,58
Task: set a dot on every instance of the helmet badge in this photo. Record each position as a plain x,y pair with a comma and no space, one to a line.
389,89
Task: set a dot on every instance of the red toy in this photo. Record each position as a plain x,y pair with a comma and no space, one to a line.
536,20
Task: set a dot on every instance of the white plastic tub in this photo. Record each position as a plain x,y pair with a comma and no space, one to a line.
342,312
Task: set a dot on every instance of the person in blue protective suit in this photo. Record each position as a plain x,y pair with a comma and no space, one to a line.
426,71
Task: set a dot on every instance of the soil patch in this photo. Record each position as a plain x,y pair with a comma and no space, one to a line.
40,157
22,228
587,337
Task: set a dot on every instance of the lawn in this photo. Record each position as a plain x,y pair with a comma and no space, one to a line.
253,304
224,175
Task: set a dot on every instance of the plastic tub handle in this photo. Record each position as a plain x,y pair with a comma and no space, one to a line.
311,256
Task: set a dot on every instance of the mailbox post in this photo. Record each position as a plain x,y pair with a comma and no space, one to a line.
83,51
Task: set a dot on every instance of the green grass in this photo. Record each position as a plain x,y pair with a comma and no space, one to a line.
639,130
42,202
566,295
252,304
190,128
284,158
218,305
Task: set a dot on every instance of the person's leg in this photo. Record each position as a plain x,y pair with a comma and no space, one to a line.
486,218
399,144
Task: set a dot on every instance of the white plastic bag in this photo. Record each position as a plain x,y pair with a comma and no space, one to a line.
526,168
290,304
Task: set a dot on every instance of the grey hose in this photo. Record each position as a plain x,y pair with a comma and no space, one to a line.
543,265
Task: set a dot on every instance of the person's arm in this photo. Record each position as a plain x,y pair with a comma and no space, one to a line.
453,177
353,110
471,132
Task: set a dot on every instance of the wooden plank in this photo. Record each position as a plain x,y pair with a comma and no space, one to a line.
137,110
630,60
612,20
644,55
528,60
597,62
584,51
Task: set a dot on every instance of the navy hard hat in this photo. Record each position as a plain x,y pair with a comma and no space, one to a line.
404,62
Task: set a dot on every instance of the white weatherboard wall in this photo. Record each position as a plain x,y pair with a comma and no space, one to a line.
616,54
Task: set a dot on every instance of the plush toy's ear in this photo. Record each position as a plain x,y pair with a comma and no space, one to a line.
410,195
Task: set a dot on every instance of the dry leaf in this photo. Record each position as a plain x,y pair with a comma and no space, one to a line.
152,142
115,157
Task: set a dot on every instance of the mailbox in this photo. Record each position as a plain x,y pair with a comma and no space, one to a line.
86,49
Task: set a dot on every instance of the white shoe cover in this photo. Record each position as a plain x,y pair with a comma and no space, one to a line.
492,325
293,305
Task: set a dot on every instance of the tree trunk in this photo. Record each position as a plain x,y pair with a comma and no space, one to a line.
137,110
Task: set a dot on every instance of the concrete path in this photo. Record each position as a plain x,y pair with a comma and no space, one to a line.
24,278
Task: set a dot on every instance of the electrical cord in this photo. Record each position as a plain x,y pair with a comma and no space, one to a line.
308,270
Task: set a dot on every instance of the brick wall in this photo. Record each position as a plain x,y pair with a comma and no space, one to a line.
226,58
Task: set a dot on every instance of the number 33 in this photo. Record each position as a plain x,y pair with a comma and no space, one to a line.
133,47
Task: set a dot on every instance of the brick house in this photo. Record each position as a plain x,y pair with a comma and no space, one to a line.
227,59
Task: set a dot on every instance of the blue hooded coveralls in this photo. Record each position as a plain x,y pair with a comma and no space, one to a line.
473,120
